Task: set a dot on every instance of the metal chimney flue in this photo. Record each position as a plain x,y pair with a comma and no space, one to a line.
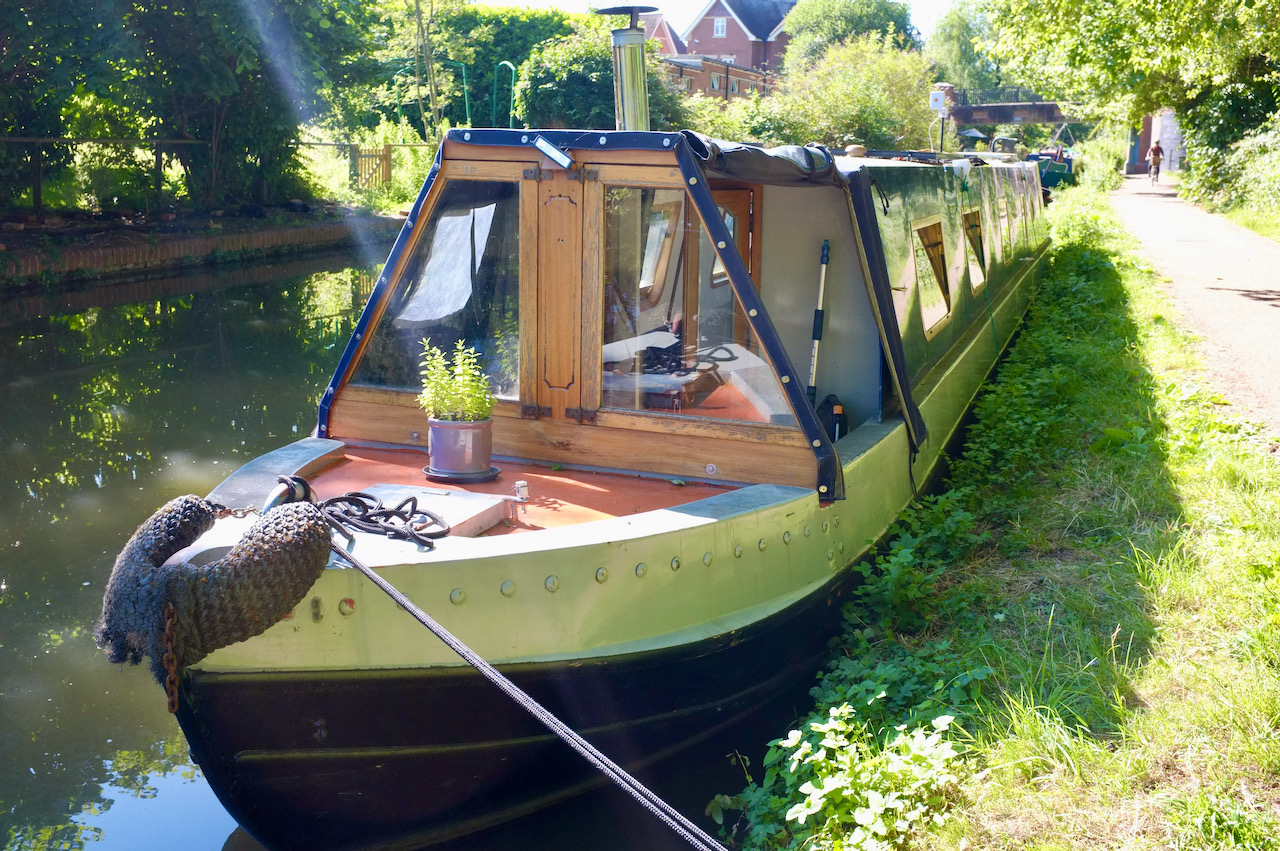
630,79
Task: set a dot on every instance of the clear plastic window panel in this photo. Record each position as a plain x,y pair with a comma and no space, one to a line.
676,341
461,283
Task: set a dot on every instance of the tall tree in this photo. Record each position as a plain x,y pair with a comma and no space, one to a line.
256,71
815,25
957,48
864,91
1124,58
48,48
568,82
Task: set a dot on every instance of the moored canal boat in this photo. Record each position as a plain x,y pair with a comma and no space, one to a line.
682,481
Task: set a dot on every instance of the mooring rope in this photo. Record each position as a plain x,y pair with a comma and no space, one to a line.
693,834
366,513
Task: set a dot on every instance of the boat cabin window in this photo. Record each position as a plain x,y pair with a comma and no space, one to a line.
931,273
977,257
461,282
675,339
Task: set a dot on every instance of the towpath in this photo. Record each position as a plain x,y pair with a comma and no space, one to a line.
1225,281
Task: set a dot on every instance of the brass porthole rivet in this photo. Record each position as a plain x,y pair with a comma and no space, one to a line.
602,575
826,527
553,583
457,596
675,563
763,544
508,588
720,245
831,556
706,559
693,181
737,551
786,537
806,531
641,569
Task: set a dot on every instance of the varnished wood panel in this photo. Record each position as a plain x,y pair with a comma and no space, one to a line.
592,332
559,374
668,446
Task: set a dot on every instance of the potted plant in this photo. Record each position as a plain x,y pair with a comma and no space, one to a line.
459,406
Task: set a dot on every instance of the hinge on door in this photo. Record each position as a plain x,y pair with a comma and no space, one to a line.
533,412
582,415
534,173
591,174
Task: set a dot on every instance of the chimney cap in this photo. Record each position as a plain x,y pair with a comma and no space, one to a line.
634,11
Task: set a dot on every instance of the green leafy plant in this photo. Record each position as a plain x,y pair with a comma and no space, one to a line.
454,388
852,789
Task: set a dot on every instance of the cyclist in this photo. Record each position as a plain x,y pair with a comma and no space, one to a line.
1154,156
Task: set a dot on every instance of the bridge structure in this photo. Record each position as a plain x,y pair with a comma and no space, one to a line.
1010,105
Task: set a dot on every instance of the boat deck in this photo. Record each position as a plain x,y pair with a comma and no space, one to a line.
557,497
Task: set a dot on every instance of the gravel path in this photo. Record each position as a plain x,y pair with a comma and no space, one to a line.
1225,281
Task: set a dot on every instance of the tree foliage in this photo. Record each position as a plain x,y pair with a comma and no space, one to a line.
865,91
568,82
956,47
815,25
236,76
1124,58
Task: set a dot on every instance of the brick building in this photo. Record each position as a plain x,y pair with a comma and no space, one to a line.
714,77
745,33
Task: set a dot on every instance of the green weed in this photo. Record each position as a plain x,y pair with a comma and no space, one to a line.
1094,601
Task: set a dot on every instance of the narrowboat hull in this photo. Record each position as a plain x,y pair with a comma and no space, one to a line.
410,758
685,527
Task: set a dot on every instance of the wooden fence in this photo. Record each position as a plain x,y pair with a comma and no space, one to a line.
369,167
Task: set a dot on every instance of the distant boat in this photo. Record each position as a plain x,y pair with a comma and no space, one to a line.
698,474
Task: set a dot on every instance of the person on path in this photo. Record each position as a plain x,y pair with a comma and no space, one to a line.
1154,156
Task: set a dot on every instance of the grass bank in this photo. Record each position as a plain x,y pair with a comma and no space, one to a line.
1078,645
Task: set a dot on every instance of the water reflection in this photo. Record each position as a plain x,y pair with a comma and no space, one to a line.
107,411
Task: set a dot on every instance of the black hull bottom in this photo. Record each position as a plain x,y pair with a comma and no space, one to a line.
406,759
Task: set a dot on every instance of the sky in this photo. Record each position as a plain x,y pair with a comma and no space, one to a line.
924,13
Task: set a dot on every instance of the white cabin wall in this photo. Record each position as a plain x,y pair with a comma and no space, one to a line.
796,221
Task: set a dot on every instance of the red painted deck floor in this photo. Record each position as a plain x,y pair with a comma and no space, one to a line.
556,497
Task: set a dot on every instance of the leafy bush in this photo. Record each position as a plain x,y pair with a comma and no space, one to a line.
1099,162
854,790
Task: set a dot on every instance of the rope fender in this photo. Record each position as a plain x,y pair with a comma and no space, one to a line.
240,595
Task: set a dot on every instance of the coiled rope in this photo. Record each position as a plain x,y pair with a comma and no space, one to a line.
365,513
691,833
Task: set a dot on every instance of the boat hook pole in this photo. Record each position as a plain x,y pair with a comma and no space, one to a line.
693,834
817,323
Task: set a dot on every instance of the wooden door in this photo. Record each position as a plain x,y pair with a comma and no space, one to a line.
558,375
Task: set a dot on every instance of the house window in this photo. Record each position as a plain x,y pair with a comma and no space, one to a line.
719,27
715,82
931,274
686,83
733,86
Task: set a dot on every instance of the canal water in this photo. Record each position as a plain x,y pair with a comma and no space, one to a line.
111,403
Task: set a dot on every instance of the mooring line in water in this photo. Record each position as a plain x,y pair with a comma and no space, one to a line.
693,834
